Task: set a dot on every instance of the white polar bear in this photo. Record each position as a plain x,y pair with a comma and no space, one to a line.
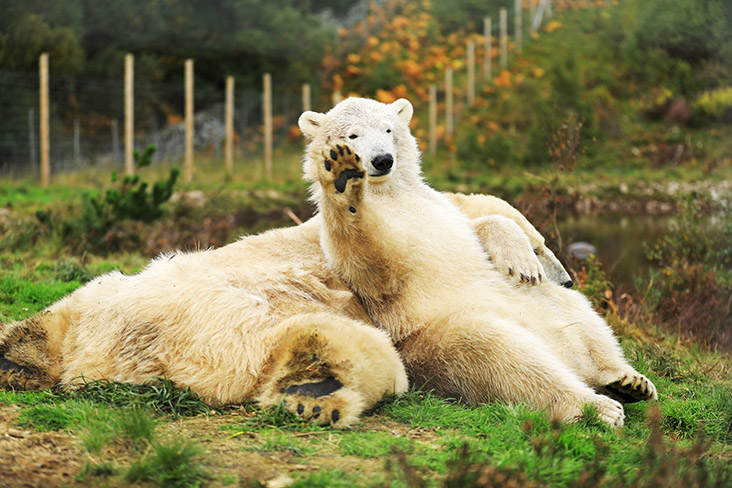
414,261
262,319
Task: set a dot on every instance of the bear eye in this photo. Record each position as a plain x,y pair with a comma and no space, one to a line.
388,131
352,136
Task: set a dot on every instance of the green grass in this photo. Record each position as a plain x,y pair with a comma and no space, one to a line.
417,439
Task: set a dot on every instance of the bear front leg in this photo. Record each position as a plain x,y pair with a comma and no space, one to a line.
342,176
509,249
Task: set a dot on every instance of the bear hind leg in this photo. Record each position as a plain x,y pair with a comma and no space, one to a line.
329,369
24,355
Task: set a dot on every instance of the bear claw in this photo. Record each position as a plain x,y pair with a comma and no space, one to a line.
631,388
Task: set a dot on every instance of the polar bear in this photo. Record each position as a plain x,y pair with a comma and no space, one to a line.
418,267
261,319
258,320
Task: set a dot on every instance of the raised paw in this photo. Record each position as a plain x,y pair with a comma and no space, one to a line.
340,166
632,387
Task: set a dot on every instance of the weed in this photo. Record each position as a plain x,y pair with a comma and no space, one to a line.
160,395
97,228
46,417
100,470
691,285
373,444
169,465
277,417
279,441
327,479
593,282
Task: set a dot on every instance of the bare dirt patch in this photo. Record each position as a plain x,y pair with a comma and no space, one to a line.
35,459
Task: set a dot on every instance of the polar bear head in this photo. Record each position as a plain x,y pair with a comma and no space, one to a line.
378,132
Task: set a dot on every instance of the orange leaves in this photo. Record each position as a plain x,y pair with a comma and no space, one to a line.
552,26
385,96
389,96
352,71
411,69
503,80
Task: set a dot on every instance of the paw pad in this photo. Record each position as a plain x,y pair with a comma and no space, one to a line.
344,163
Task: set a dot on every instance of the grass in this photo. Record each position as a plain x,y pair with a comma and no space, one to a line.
157,434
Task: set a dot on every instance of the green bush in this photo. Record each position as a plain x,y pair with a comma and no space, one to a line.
97,228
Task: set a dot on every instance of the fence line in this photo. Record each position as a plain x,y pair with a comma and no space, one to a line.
189,120
45,131
129,113
267,115
229,146
144,104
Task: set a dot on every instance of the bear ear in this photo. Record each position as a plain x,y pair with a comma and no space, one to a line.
311,123
403,109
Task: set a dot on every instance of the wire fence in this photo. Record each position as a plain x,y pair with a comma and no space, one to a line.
86,121
87,116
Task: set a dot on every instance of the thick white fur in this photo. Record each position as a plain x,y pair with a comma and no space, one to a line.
247,321
417,265
226,323
235,324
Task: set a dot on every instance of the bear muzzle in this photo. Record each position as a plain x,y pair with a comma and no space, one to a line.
382,164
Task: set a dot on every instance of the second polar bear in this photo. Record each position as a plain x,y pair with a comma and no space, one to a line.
414,261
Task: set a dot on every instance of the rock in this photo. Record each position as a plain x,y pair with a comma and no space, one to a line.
581,250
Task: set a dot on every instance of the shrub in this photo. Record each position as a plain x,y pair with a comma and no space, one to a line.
97,228
716,104
692,275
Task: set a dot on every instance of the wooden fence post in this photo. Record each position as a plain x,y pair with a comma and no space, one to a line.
115,142
229,116
306,98
504,37
433,120
77,142
471,72
518,27
549,11
267,117
189,119
488,47
532,14
44,122
448,102
337,97
129,114
32,137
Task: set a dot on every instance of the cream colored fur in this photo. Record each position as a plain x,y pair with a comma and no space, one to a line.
235,324
250,321
418,266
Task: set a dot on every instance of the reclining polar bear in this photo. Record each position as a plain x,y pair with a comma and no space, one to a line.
260,319
413,260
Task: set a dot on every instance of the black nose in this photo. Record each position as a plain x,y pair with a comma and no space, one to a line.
568,284
383,163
